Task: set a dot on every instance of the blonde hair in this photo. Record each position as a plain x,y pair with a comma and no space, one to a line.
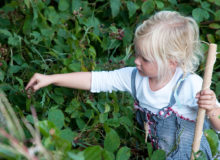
169,36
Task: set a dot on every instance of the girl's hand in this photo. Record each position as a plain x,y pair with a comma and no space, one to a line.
206,99
38,81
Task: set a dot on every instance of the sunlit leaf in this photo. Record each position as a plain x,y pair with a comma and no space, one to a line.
93,153
212,138
217,15
158,155
112,141
148,7
132,8
214,26
76,4
63,5
123,153
200,14
211,38
57,117
159,4
115,7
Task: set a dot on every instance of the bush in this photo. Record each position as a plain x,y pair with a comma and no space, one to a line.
61,36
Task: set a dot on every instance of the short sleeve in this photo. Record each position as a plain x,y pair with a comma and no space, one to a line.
191,86
108,81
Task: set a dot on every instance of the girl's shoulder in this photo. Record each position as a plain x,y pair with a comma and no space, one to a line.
193,77
193,82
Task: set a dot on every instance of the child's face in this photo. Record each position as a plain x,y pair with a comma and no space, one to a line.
146,67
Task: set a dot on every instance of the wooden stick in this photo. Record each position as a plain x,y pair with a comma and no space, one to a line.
205,85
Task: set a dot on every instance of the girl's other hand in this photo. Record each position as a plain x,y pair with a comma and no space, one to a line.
38,81
206,99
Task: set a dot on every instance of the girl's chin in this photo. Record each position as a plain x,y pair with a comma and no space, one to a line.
141,73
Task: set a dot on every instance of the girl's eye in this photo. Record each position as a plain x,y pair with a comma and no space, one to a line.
145,60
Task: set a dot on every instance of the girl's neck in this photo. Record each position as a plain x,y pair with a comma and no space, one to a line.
155,84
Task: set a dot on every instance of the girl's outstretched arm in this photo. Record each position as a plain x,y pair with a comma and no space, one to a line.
77,80
207,100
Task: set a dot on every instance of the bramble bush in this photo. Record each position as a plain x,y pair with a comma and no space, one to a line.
62,36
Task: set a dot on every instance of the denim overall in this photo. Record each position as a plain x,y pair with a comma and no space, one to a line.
167,130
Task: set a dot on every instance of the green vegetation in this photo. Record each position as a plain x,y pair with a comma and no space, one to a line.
61,36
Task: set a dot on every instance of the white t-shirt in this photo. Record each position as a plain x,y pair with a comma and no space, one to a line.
120,80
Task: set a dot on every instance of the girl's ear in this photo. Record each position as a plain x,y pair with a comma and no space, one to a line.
173,64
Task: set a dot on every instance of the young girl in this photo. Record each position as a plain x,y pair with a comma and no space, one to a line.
163,83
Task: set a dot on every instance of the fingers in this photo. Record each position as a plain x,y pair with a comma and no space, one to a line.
36,87
206,99
33,83
206,94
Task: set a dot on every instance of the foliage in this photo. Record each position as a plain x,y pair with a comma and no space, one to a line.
61,36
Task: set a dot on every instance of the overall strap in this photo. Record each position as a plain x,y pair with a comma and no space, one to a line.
176,90
133,89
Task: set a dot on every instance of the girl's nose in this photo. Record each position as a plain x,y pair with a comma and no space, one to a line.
137,61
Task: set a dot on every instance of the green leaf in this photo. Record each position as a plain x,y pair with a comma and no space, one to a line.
67,134
5,32
214,26
217,32
123,153
14,69
36,37
125,121
20,81
113,122
30,118
103,117
148,7
132,8
200,14
185,9
115,7
14,40
35,11
159,4
107,155
45,127
212,138
27,3
149,149
158,155
18,59
57,117
27,24
76,156
52,15
217,2
4,23
205,5
63,5
210,38
62,33
107,108
218,86
174,2
217,15
47,32
92,52
76,66
80,123
76,4
2,75
112,141
93,153
57,98
128,36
